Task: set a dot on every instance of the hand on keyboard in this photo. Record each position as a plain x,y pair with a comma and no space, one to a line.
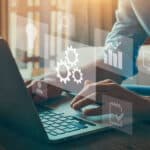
92,94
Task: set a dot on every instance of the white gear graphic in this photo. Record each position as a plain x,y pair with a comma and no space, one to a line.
76,70
73,51
58,69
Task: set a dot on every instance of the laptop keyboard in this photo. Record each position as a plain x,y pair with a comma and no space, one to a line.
57,123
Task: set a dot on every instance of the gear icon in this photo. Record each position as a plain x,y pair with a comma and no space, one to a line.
71,56
60,65
77,75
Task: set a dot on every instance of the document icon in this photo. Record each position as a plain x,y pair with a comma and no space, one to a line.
118,115
114,59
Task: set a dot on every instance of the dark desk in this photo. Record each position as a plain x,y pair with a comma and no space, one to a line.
108,140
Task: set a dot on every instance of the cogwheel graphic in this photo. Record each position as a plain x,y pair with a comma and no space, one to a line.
77,75
60,65
71,56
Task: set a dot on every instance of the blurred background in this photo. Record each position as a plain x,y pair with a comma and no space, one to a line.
43,20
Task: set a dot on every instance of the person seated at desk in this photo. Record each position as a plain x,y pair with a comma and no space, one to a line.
132,22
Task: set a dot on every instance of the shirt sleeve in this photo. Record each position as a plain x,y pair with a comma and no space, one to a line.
127,26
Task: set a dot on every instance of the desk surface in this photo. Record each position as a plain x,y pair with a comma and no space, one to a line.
108,140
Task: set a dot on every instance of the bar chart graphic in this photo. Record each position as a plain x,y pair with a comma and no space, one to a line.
114,59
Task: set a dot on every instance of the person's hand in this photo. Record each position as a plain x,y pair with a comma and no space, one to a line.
92,94
42,90
27,82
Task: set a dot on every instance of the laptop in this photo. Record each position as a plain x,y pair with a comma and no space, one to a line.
18,112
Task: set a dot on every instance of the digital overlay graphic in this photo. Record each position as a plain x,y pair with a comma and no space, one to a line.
68,67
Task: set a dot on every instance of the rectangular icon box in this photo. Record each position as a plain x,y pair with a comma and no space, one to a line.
120,60
114,59
110,57
105,57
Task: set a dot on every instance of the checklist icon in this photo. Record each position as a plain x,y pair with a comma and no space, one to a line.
118,114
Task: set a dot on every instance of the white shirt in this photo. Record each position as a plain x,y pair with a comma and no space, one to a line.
133,21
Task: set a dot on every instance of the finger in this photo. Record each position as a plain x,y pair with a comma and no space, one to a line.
93,112
84,102
92,88
87,82
95,98
87,90
80,96
108,81
76,98
102,86
29,86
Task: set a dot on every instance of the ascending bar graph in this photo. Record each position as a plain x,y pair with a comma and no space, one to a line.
114,59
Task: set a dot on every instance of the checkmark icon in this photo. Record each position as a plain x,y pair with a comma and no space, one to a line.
119,117
117,111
